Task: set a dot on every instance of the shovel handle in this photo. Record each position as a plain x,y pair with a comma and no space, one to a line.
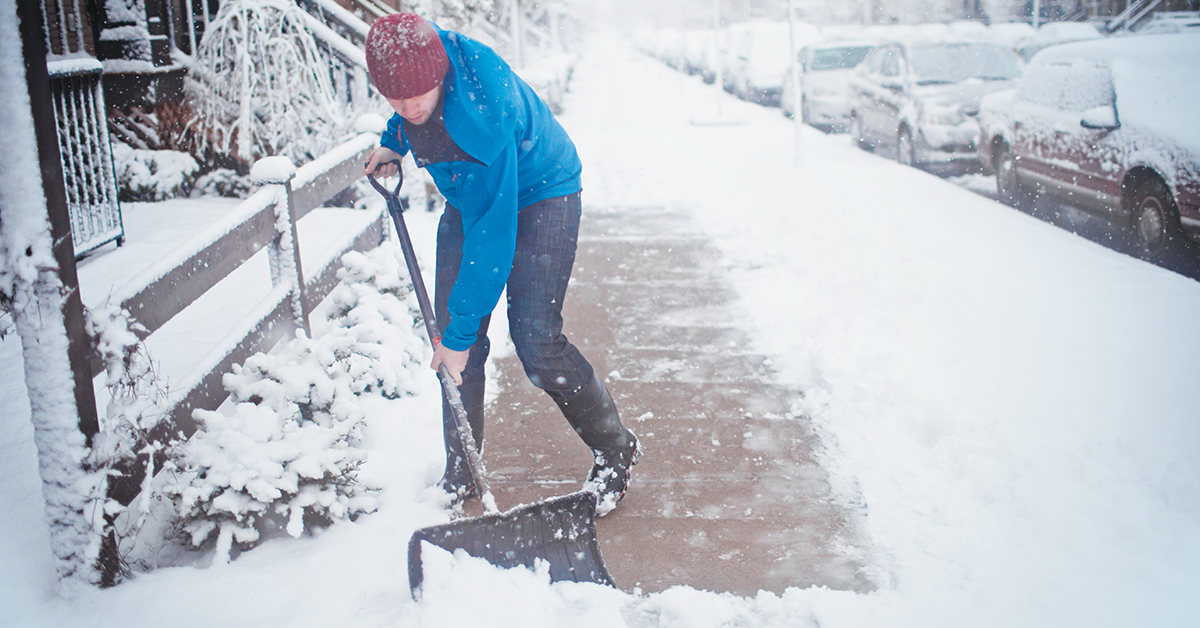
396,207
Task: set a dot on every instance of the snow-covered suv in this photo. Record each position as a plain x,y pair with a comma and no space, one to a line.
1108,126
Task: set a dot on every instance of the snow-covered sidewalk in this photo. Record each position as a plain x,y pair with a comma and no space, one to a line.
1015,405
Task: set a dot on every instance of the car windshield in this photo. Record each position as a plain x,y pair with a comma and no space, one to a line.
838,58
955,63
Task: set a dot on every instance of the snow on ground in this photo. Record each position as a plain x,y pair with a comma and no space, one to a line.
1012,403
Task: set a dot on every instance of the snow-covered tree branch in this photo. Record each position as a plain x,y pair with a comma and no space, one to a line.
260,85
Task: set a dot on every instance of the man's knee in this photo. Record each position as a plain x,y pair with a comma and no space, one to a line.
536,350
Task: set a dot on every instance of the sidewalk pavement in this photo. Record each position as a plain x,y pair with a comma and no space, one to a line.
729,495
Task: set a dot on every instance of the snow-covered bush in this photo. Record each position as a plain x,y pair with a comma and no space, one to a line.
285,453
137,403
260,86
152,175
222,182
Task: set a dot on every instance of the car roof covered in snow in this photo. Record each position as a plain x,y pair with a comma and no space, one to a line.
1155,77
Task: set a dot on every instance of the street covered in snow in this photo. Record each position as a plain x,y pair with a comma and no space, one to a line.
1011,408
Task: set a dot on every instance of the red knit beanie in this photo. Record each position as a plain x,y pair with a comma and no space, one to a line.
405,56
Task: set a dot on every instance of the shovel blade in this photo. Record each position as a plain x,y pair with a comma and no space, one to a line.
560,531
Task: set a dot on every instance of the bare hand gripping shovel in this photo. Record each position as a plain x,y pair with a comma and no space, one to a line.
560,531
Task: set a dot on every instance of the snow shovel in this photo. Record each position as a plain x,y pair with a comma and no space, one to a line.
560,531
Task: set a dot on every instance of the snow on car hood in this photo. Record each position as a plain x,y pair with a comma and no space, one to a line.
965,95
829,82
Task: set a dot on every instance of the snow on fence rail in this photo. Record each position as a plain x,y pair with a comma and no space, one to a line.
265,220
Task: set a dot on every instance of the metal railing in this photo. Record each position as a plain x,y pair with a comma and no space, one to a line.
340,38
1132,15
83,142
351,27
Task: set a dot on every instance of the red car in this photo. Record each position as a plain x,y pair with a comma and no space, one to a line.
1109,126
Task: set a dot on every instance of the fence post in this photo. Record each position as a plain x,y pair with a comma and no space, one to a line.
48,311
284,252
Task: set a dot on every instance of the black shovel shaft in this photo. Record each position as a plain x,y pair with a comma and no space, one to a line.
396,207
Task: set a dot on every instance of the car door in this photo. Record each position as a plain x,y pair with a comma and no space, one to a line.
891,95
1035,116
1083,158
1055,152
865,86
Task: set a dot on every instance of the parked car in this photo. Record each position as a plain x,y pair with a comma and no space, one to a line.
968,29
920,99
1055,33
1107,126
759,55
1010,34
700,54
824,70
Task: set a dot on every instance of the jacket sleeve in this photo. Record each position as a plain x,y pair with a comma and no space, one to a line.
391,137
489,244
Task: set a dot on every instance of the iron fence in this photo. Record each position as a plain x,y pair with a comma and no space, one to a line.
75,85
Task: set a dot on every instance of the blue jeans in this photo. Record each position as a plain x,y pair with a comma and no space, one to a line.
547,235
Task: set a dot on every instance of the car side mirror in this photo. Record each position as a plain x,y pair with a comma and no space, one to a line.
1104,117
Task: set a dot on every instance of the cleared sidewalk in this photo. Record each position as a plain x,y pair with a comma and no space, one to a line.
729,495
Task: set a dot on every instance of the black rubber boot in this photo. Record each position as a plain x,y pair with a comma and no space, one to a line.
594,416
457,478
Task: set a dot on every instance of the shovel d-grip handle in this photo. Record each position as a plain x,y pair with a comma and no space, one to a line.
396,207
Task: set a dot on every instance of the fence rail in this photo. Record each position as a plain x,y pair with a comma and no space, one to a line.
266,220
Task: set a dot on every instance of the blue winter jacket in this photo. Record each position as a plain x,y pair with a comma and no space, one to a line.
525,156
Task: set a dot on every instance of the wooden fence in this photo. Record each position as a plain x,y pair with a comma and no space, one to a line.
267,220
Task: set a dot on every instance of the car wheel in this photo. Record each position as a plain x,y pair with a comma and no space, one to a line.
906,151
856,132
1008,187
1153,217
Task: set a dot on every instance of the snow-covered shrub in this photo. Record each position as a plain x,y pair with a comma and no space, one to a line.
222,182
152,175
376,312
285,453
273,461
137,403
260,87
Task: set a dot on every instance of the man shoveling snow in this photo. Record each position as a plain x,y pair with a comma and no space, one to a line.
511,178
